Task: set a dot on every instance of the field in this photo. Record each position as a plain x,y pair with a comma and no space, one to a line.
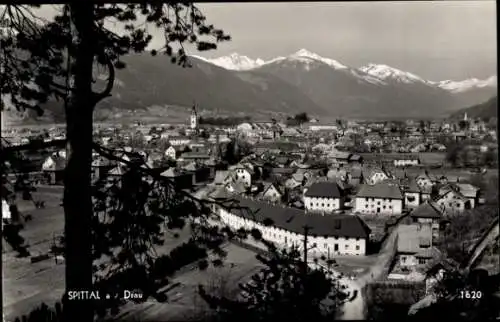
27,284
184,301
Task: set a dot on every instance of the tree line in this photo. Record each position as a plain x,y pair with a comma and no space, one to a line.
224,121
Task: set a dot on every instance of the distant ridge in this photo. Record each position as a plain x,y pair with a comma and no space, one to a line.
300,82
484,111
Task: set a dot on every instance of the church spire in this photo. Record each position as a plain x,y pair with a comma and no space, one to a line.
194,117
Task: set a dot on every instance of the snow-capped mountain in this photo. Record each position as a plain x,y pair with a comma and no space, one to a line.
306,56
367,77
377,74
388,73
234,61
465,85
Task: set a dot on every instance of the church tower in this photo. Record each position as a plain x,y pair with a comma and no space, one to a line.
194,118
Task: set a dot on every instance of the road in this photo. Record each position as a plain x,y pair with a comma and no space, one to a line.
355,309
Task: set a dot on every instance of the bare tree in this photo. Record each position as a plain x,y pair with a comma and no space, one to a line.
66,51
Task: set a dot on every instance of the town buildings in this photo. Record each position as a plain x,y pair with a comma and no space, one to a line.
381,198
324,197
327,235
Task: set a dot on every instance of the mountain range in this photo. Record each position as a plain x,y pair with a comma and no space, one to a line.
300,82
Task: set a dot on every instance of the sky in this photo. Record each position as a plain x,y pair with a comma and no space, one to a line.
436,40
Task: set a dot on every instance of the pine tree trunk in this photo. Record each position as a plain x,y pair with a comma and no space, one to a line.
78,210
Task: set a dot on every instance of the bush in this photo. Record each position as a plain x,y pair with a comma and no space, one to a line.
392,299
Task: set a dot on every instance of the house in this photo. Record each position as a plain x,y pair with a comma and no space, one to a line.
194,156
415,136
428,213
222,177
424,180
355,159
271,192
337,173
295,181
406,160
181,179
381,198
130,157
374,175
53,167
236,187
414,245
412,194
100,167
172,152
452,200
323,197
192,166
118,171
426,193
418,148
243,173
179,140
202,174
470,192
339,157
327,235
282,161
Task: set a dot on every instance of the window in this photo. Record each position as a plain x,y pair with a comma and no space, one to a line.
378,203
403,259
366,206
357,247
346,246
325,245
322,205
422,261
383,207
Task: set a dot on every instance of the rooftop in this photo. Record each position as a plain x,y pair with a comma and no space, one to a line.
294,220
427,210
324,190
380,190
412,237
